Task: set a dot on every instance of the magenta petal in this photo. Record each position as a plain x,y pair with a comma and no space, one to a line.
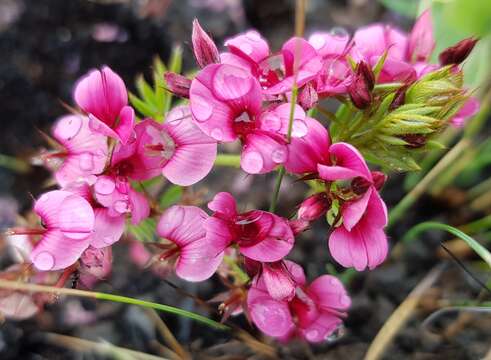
271,316
140,208
376,245
353,211
347,156
329,293
224,203
124,129
329,45
182,224
347,248
376,212
278,281
395,70
470,108
98,126
296,271
421,41
249,45
323,326
198,260
333,173
218,233
297,47
262,153
107,229
55,251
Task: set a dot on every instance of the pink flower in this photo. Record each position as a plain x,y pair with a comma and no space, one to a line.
195,257
421,42
204,47
178,150
95,265
469,109
85,152
276,277
360,241
314,207
260,235
103,96
313,313
69,221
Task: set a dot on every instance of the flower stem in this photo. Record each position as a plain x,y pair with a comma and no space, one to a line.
15,285
230,160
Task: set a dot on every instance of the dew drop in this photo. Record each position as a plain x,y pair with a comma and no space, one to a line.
299,128
318,41
86,162
202,109
339,32
217,134
231,82
44,261
271,122
44,198
121,206
312,335
252,162
68,127
91,179
279,156
107,240
104,185
253,35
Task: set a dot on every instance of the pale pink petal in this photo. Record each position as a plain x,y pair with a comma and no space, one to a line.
17,306
329,293
55,251
323,326
98,126
250,45
395,71
353,211
296,271
279,283
376,244
107,229
139,206
262,153
224,203
126,123
374,39
182,224
328,44
198,260
470,108
271,316
421,41
306,152
376,212
339,246
218,233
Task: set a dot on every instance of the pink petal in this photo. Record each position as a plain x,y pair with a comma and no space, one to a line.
182,224
262,153
395,70
323,326
218,233
305,153
276,244
373,40
347,157
421,41
353,211
124,129
278,281
237,87
198,260
470,108
347,248
329,293
376,245
140,208
299,127
107,229
101,93
224,203
55,251
271,316
376,212
17,306
249,45
98,126
296,271
328,44
297,47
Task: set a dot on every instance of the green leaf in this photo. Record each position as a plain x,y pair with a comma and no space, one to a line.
144,231
408,8
430,225
171,196
146,92
142,107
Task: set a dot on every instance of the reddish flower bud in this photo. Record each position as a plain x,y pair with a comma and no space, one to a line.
308,97
205,50
414,141
298,226
313,207
177,84
399,98
360,89
360,185
379,179
457,53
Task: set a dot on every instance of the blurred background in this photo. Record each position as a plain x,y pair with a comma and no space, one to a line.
46,45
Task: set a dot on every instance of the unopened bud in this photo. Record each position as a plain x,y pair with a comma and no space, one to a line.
414,141
379,179
399,98
314,207
360,185
360,89
298,226
177,84
205,50
308,97
457,53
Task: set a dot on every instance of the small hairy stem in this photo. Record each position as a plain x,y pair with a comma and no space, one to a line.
15,285
230,160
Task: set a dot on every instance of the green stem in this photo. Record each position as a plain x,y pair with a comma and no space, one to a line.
241,275
15,285
276,191
231,160
14,164
387,86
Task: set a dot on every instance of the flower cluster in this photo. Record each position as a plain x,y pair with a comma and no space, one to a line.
392,100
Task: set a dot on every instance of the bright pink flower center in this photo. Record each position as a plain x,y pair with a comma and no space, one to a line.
244,124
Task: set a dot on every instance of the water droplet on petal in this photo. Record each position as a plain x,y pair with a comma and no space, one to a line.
121,206
252,162
299,128
231,82
104,185
334,281
107,240
246,48
86,162
339,32
312,335
44,198
202,108
217,134
253,35
318,41
279,155
44,261
68,127
271,122
91,179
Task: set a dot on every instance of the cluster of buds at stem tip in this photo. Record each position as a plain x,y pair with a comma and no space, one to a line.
314,207
177,84
205,49
456,54
360,89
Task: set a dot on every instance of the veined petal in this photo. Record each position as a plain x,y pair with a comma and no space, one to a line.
224,203
107,229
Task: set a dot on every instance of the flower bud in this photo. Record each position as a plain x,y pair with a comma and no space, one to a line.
399,98
205,50
360,89
379,179
308,97
177,84
314,207
414,141
457,53
360,185
298,226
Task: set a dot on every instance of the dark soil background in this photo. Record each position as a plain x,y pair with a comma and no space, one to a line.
45,45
